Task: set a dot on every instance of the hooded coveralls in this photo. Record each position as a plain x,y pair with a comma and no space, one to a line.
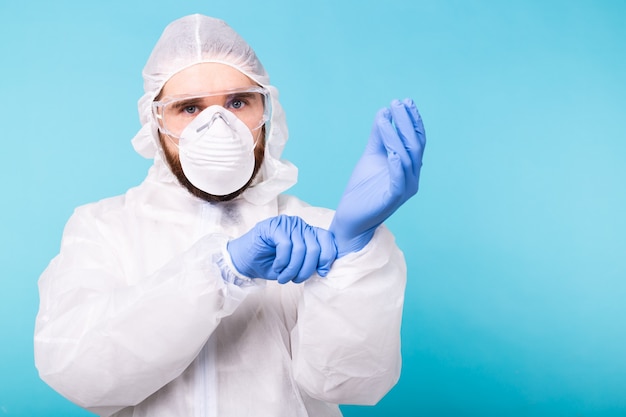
139,314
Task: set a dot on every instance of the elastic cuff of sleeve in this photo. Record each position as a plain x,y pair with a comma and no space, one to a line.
228,271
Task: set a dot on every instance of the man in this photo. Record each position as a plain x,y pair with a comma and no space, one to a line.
204,291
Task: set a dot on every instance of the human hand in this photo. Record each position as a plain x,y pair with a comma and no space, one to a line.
385,177
283,248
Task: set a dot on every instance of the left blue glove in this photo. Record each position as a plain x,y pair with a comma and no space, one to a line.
283,248
385,177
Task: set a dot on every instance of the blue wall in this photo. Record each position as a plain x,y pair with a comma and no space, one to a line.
516,242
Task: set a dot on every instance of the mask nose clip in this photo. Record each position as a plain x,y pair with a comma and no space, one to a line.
217,115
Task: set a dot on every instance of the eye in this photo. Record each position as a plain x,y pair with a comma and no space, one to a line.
237,104
190,109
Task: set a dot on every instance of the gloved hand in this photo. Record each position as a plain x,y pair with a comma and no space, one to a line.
385,177
283,248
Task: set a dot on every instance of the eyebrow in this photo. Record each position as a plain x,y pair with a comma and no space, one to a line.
196,101
244,94
187,102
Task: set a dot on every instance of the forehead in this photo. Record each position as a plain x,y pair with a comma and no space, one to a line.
206,77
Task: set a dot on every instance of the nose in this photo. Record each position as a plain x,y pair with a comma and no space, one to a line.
217,115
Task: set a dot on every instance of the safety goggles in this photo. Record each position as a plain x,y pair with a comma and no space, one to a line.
174,113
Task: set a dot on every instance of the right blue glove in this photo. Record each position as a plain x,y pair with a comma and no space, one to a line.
384,178
283,248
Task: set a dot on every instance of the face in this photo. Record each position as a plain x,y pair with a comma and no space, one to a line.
202,78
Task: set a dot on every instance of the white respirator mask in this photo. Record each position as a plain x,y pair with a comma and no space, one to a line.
216,152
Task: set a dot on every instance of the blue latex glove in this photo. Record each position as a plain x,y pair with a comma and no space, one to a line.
283,248
385,177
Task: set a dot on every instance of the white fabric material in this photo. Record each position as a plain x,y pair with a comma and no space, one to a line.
195,39
140,316
135,294
216,152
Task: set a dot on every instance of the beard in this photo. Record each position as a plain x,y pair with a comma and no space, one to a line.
173,161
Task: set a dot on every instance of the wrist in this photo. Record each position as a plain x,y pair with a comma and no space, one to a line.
349,245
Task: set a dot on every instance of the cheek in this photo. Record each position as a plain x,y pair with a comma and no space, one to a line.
169,148
259,150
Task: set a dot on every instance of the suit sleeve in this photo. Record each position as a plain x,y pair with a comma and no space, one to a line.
346,342
106,343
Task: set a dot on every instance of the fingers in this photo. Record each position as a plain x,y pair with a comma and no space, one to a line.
328,252
375,143
404,124
416,119
291,248
301,249
399,162
304,257
403,135
416,128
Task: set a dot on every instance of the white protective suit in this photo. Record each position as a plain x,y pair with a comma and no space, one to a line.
138,316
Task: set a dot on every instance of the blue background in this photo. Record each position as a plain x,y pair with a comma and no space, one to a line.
516,242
